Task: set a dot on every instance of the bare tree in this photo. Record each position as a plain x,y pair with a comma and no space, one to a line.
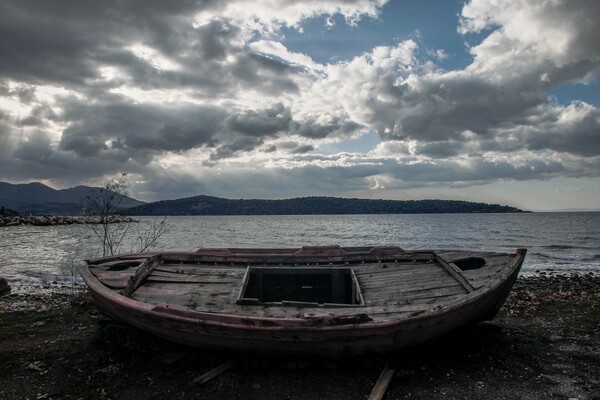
148,237
104,203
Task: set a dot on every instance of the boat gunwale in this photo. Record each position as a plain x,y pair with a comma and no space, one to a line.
292,325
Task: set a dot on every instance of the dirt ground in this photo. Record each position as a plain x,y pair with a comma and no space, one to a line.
544,343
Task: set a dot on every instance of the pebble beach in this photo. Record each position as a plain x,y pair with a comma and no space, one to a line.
544,342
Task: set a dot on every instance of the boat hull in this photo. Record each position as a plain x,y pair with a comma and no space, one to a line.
302,336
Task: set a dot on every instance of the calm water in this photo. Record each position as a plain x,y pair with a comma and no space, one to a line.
557,242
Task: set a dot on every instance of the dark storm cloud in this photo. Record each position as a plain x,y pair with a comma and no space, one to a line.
36,157
295,147
39,116
65,42
60,41
138,127
442,149
214,39
229,150
5,141
273,77
445,107
317,127
303,149
264,122
142,82
580,136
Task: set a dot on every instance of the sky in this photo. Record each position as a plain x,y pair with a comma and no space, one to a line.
485,100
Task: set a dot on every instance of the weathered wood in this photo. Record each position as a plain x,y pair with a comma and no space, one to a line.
395,309
401,283
186,295
405,276
456,273
213,373
141,274
385,378
403,297
192,301
388,268
178,278
201,270
135,256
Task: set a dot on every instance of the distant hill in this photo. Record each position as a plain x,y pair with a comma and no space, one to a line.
207,205
38,199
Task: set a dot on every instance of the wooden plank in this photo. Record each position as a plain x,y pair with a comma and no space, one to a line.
409,279
406,280
202,270
356,289
208,275
201,274
191,281
456,273
394,313
100,274
244,286
412,298
121,264
439,271
484,272
177,288
386,272
428,301
141,274
114,283
204,298
415,291
385,378
213,373
384,268
105,259
408,293
113,279
175,278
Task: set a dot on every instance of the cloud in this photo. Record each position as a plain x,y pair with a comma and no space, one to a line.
265,122
267,19
555,41
500,97
208,94
325,124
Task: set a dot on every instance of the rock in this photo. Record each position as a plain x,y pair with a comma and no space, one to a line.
60,220
4,287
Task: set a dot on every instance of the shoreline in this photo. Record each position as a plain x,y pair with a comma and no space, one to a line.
544,342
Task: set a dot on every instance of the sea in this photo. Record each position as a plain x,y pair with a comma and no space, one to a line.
44,258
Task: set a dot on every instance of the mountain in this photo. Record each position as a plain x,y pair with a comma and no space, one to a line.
38,199
207,205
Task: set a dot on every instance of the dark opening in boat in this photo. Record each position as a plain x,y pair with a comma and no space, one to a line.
466,264
301,286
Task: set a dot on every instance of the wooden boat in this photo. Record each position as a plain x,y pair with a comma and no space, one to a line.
327,300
